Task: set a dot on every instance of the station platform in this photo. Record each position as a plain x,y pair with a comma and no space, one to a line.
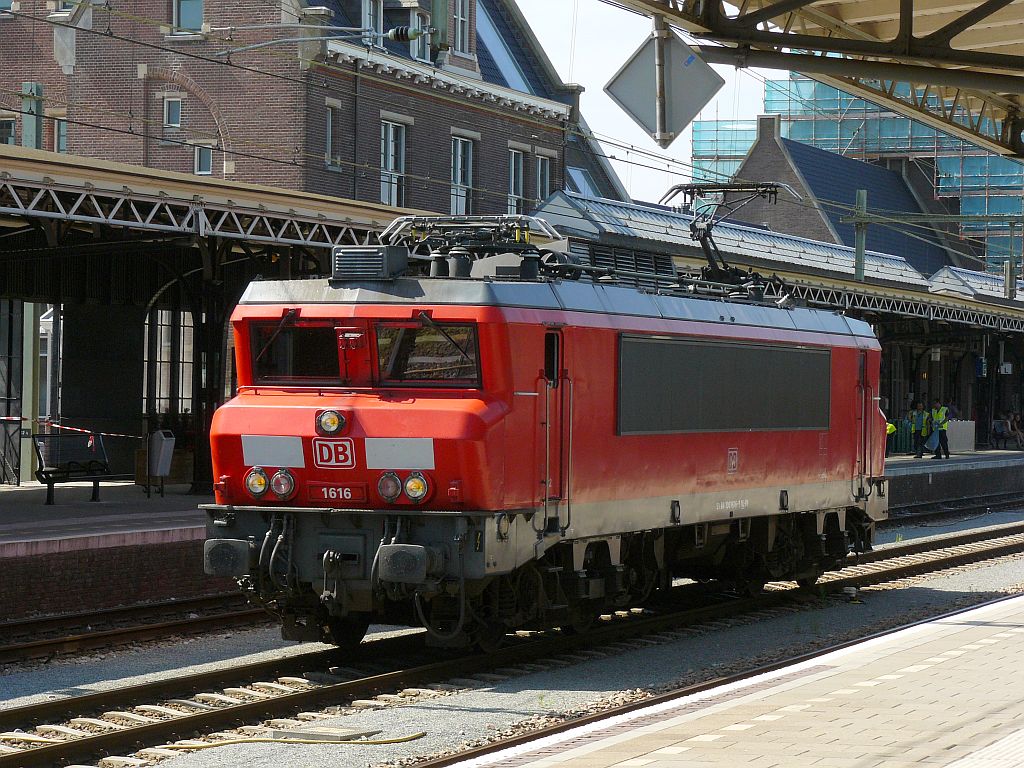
964,475
78,555
29,527
945,693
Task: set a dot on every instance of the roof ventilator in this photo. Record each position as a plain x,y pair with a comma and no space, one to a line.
369,262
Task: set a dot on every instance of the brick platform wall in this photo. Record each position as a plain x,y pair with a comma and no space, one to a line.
90,579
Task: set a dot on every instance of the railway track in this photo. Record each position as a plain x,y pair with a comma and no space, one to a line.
49,636
399,669
909,514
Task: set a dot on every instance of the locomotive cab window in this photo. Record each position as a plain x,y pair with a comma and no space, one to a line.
427,353
285,353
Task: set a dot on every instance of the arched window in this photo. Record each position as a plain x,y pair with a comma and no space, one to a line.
167,383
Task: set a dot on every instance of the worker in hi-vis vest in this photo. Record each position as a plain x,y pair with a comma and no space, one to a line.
918,419
940,423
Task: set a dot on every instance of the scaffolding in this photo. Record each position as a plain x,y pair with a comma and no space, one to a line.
976,182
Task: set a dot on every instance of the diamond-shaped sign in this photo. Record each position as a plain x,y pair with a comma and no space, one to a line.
690,83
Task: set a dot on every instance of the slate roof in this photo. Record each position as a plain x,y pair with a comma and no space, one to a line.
593,218
531,68
832,178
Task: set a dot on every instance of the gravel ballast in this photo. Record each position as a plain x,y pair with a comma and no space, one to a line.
471,716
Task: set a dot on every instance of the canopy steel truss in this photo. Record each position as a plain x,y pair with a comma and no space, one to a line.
905,306
185,216
953,69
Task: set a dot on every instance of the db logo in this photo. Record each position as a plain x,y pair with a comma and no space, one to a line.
336,454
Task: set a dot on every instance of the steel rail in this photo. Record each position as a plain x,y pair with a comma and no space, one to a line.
951,550
924,510
48,623
53,646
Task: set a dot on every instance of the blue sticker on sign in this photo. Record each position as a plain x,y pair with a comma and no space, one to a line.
690,59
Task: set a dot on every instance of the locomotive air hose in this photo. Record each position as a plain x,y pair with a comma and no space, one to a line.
267,740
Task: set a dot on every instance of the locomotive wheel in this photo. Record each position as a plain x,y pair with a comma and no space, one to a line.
490,637
807,582
346,632
581,619
751,586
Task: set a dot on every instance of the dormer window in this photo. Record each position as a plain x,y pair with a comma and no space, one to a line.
420,47
373,20
461,26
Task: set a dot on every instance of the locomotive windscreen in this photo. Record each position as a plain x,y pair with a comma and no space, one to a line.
294,354
677,385
431,354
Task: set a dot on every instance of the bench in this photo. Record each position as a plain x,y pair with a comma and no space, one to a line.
64,457
1000,431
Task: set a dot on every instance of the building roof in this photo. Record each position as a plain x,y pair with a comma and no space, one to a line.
495,13
610,220
834,180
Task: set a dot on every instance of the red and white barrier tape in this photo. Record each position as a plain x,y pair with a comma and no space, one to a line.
54,425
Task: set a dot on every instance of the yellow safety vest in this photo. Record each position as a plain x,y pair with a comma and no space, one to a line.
889,428
940,420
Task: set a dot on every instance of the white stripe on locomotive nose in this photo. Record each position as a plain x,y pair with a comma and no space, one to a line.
273,451
399,453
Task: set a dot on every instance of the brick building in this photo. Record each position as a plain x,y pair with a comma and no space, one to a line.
256,92
229,90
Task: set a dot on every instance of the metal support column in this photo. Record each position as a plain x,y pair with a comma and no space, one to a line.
32,115
861,233
1010,269
32,137
660,34
29,387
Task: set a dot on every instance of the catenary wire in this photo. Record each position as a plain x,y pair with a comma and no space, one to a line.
372,168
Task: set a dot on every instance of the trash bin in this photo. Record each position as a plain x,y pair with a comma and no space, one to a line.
161,451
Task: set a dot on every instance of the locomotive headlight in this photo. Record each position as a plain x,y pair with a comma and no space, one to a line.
256,481
282,483
416,487
389,486
330,422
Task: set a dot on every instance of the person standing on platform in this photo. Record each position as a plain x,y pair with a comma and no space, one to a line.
940,423
918,419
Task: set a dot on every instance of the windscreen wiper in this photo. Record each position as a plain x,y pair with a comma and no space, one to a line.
288,316
428,320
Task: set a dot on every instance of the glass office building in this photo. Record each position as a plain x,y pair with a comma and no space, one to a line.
975,181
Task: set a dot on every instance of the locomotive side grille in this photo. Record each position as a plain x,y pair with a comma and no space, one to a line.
627,260
373,262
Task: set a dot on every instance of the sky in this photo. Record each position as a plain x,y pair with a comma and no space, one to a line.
605,37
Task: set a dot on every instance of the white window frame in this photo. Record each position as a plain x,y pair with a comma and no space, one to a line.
329,157
197,153
516,178
542,181
462,176
392,163
60,124
460,26
373,19
167,120
419,48
14,129
176,19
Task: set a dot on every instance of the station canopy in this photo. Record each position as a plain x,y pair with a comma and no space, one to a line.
954,66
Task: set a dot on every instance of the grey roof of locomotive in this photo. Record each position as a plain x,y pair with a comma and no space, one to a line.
564,295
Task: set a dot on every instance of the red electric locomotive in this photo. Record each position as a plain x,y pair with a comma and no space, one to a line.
516,440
